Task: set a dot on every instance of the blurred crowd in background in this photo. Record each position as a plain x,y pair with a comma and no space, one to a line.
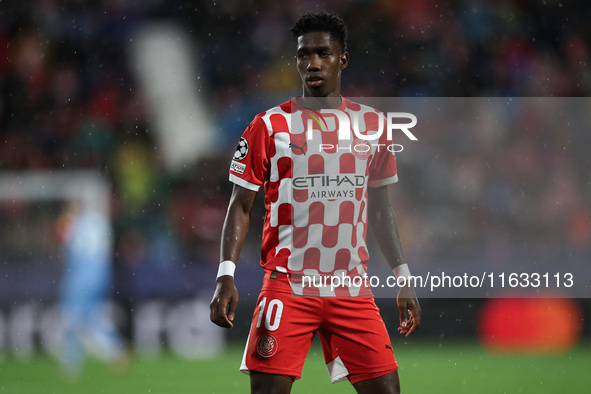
69,99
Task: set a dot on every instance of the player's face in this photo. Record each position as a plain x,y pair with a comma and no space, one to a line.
320,60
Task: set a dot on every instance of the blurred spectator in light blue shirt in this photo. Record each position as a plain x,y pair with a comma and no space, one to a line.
87,325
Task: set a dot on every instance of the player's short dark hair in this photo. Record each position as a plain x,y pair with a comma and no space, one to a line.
321,22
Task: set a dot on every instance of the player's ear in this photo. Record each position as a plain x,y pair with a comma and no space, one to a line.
344,60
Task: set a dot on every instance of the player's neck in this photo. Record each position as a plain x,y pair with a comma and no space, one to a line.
317,103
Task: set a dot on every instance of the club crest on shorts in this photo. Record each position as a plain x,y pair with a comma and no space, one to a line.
267,345
241,149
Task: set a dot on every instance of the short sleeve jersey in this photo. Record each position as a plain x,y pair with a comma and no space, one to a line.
315,170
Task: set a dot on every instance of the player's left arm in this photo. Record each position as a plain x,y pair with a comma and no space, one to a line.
383,224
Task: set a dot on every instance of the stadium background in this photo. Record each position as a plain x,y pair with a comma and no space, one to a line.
76,95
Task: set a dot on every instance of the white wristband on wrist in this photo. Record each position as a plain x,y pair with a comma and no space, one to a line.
226,267
402,270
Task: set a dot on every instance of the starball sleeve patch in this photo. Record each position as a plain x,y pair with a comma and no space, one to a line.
241,149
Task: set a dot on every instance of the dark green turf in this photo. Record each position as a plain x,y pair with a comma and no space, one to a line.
425,367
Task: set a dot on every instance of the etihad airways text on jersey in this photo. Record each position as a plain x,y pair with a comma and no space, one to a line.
337,180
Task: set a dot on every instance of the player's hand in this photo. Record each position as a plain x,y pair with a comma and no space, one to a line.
410,311
223,304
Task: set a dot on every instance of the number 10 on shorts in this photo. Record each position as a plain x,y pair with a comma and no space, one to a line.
272,314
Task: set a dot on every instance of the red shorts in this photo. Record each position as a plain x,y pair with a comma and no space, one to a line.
354,339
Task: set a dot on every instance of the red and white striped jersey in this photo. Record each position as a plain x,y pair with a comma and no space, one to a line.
315,183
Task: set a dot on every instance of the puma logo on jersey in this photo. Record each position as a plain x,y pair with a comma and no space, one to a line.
302,148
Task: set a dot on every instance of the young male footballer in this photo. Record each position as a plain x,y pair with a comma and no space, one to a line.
321,191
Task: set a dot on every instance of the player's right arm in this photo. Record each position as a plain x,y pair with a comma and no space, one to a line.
225,298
